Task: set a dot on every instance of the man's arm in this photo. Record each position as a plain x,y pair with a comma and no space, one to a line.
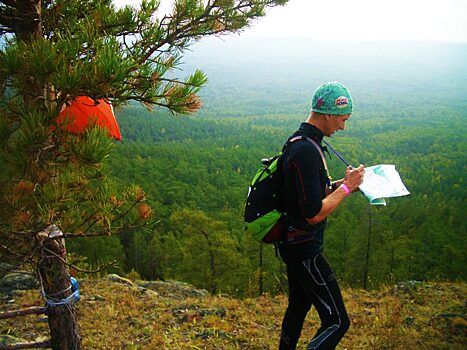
353,179
335,186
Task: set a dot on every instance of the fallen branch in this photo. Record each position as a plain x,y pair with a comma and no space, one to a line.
32,345
21,312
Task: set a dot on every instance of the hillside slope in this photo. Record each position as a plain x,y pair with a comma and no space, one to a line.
115,315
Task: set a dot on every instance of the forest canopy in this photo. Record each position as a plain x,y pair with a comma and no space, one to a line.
201,166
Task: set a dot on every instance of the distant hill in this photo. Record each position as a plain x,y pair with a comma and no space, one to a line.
265,75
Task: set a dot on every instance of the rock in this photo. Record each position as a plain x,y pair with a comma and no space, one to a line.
18,281
147,292
95,297
407,286
188,313
117,279
409,320
173,289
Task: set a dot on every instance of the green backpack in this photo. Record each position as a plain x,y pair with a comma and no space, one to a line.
264,216
262,213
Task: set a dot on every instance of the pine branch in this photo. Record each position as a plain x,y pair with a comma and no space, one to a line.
11,251
11,3
189,30
101,268
125,213
85,221
116,231
8,22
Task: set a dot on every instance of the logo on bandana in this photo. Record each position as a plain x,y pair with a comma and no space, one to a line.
342,102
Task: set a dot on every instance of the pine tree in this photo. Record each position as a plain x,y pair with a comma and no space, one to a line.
52,51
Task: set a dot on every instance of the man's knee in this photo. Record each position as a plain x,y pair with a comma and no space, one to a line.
339,323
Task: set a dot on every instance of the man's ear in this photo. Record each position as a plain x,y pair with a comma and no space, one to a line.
327,116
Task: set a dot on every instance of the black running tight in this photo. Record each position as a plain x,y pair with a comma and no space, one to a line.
312,282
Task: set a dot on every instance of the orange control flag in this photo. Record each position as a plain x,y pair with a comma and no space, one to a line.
83,109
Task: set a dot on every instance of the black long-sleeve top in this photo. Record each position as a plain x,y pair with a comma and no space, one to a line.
304,177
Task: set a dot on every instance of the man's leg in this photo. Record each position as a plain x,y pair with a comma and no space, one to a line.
299,305
328,302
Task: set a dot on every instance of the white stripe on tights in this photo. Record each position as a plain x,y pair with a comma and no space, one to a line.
333,328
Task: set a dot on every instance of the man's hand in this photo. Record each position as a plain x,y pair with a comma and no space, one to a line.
354,177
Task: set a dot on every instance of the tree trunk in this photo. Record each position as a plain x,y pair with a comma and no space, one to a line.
27,21
56,284
212,263
260,271
367,256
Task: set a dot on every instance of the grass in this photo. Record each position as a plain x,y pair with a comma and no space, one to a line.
117,316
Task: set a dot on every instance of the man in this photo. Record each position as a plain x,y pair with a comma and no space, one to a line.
309,198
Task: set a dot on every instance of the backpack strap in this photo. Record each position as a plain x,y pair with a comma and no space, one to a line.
320,151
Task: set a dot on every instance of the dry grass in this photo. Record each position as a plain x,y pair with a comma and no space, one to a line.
117,316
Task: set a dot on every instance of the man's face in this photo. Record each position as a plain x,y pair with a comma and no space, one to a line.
335,123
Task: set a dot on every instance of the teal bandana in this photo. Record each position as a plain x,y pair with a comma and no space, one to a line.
332,98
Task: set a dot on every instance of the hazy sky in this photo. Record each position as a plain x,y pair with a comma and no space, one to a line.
360,20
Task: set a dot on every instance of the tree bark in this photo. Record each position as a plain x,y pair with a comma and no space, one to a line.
27,21
260,271
56,284
212,263
367,255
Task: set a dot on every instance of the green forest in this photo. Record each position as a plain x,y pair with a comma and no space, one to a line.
195,170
